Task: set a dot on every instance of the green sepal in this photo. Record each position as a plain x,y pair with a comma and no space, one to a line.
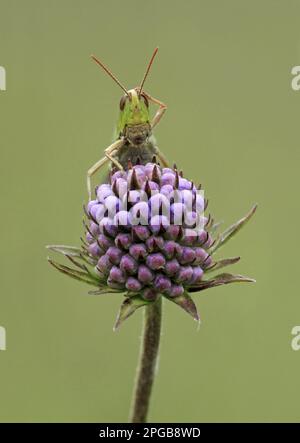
218,280
186,302
104,291
78,275
221,264
128,307
215,227
231,231
72,251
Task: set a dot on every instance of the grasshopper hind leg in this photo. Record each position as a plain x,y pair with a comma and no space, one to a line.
161,157
153,150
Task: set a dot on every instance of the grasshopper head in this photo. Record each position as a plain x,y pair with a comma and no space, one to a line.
134,106
134,110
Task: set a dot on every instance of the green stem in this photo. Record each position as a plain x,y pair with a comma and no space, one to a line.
147,362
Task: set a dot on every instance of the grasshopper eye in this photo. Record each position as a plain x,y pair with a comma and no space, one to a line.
122,102
145,100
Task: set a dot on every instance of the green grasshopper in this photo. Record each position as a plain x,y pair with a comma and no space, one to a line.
134,140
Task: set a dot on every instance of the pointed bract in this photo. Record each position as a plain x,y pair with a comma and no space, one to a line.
78,275
232,230
221,279
66,250
186,302
128,307
221,264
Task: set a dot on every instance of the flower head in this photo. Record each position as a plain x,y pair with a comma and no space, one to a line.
147,237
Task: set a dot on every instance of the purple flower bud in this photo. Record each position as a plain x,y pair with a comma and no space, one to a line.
200,255
184,274
187,198
128,264
158,222
115,254
155,243
149,294
167,190
191,219
199,204
113,205
133,284
89,237
149,169
141,232
118,174
172,232
162,283
95,250
107,227
172,267
139,214
136,196
189,237
94,229
175,291
197,275
139,173
168,170
145,275
123,240
153,186
117,275
104,264
122,219
138,251
184,183
155,261
103,192
204,239
177,213
186,255
168,178
158,201
122,187
97,212
171,248
104,241
207,262
91,204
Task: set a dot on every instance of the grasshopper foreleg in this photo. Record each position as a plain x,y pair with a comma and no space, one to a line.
113,148
111,157
160,112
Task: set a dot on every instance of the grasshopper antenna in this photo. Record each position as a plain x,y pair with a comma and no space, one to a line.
147,70
109,73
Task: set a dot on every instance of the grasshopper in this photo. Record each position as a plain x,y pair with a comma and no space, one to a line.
133,141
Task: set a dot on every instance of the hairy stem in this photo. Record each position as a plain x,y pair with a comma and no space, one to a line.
147,362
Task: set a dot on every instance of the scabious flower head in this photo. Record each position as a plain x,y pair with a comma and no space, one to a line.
147,236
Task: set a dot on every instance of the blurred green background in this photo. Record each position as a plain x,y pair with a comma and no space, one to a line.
232,124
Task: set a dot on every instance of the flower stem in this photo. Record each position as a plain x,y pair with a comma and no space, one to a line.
147,362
